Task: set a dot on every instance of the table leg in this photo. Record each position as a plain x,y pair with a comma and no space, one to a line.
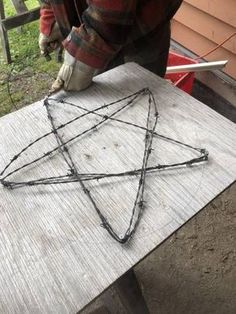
101,310
130,294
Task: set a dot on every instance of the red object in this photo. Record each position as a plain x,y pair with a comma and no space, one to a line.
184,80
47,21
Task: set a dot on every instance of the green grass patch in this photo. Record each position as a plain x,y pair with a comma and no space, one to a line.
29,76
10,10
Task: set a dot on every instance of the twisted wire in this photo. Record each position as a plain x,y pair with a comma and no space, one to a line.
75,175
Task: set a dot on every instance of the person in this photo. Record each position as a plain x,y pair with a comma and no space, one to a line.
100,34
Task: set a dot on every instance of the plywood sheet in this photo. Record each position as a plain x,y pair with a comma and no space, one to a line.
54,255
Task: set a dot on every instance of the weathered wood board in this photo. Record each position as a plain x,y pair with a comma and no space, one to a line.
54,255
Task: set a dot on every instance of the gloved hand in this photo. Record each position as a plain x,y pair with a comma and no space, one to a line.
49,43
74,75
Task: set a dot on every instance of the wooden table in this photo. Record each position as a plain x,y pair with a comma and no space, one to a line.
55,256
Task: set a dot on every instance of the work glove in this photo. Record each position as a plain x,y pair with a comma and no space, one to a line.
74,75
49,43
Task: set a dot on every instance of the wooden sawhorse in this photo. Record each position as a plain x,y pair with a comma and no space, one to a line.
23,17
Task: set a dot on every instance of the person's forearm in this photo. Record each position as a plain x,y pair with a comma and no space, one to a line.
106,26
47,18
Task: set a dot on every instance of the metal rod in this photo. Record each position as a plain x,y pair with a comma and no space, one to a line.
206,66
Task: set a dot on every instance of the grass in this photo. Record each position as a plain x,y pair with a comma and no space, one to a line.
10,10
23,42
29,76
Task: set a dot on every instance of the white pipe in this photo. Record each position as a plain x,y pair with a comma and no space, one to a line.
205,66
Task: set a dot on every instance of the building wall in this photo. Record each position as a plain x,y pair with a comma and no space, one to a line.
200,25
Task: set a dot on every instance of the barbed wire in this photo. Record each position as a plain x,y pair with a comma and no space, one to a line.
74,174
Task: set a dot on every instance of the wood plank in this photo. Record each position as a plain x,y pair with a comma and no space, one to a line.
3,35
207,26
19,6
21,19
200,45
222,10
54,255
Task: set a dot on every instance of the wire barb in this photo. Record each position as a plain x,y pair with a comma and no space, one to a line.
74,175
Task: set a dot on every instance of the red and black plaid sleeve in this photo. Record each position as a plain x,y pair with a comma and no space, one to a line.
47,18
107,25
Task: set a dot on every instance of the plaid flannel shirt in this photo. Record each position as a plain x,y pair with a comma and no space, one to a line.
107,25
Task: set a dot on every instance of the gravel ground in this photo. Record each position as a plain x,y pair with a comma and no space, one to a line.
194,271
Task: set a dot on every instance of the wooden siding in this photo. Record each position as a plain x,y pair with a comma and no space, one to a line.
201,25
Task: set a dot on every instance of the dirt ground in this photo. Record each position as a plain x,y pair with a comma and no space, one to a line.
194,271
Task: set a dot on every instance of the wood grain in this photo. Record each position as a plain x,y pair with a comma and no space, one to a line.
54,256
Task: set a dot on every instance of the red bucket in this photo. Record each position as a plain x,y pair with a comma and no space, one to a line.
182,80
